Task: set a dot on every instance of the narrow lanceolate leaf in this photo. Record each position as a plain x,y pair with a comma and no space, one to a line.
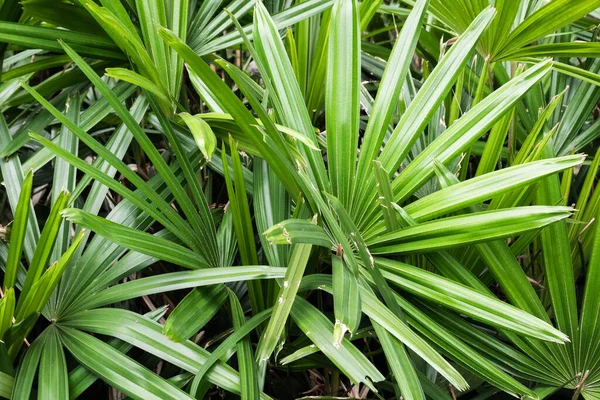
346,357
281,82
432,93
170,218
53,379
400,364
285,299
423,105
466,130
282,20
346,299
271,205
135,198
461,347
177,281
135,240
242,223
590,308
502,264
469,228
17,235
124,34
147,335
383,316
29,366
194,311
386,197
65,173
225,350
80,378
228,347
400,330
546,20
44,247
202,220
557,261
391,83
37,298
342,102
117,369
466,300
246,363
487,186
152,14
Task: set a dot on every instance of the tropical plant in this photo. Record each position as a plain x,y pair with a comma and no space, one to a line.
368,200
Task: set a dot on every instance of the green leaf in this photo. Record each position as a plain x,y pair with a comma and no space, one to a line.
280,80
237,109
466,130
383,316
38,37
228,346
421,109
152,14
54,13
6,385
469,228
288,17
346,300
242,223
37,298
180,14
170,219
386,197
270,190
80,378
465,300
346,357
393,78
125,36
392,324
558,266
546,20
53,381
400,364
203,135
147,335
194,311
487,186
117,369
134,78
17,235
7,311
342,103
177,281
248,369
133,239
200,232
44,249
293,231
285,299
29,366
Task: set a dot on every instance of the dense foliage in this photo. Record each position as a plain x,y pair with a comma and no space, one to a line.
288,198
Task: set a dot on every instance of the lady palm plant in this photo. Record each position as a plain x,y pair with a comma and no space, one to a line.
377,202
